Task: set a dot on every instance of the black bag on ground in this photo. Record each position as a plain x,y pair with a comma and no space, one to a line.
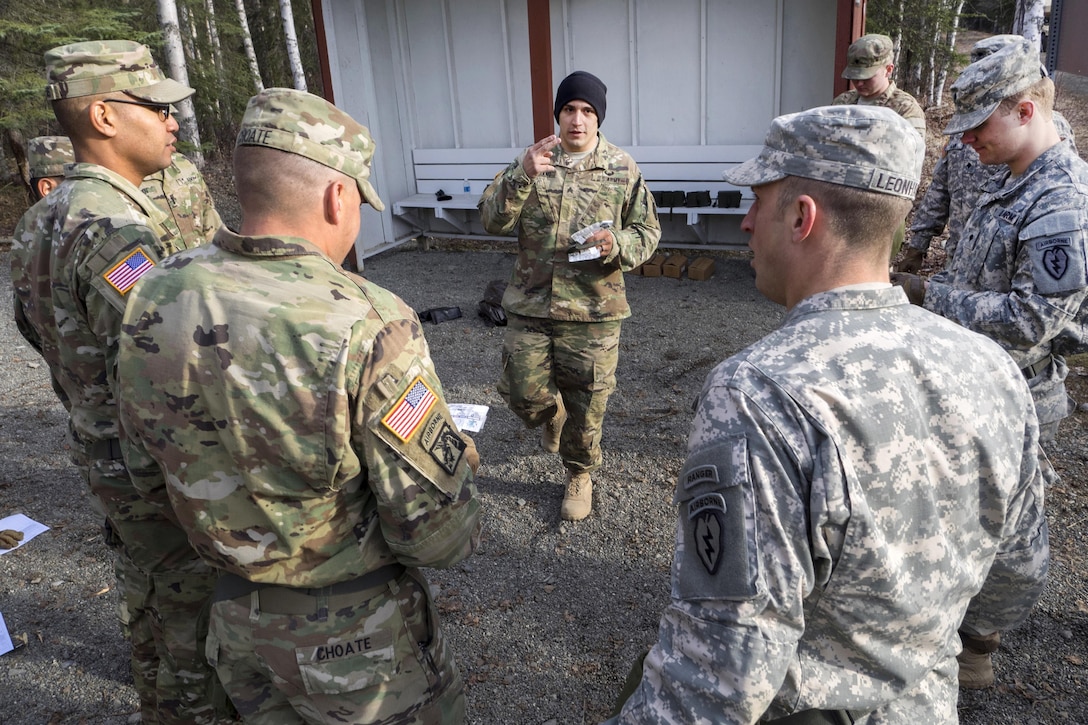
490,307
440,314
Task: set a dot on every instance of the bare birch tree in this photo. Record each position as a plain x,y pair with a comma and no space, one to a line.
247,42
175,61
1029,20
298,75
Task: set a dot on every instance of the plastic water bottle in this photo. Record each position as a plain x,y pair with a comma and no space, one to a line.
468,187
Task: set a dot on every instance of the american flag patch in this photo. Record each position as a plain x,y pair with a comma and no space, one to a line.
126,273
407,415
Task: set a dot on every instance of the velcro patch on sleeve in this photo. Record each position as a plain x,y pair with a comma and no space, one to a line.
1057,245
717,554
444,444
126,273
409,412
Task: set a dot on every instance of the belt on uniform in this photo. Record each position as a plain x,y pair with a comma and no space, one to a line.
1036,367
276,599
109,450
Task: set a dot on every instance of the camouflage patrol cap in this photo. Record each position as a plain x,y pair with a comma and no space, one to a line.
989,46
865,147
302,123
986,82
47,155
108,66
867,56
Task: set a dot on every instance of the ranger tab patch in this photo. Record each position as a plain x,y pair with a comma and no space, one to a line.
407,415
126,273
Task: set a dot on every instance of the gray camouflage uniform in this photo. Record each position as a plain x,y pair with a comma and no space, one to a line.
73,256
802,575
1020,272
848,497
309,453
565,317
958,179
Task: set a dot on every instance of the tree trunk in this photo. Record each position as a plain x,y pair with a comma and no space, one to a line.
175,61
187,31
213,35
1029,21
247,41
943,77
298,76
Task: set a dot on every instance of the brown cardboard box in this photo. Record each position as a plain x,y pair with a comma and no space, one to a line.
674,266
652,267
701,268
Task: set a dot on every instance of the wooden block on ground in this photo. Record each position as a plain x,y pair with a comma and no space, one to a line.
701,268
652,267
674,266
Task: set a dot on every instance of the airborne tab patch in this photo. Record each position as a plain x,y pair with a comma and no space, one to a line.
406,416
126,273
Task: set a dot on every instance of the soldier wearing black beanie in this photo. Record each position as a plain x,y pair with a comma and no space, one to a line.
583,216
582,86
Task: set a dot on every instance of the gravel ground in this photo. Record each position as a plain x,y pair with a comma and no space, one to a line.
548,615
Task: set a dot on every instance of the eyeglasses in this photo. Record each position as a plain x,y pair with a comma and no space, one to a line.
162,109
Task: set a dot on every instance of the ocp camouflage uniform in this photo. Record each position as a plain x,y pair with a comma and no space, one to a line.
76,254
576,306
859,422
312,456
958,179
66,246
894,98
180,191
1019,274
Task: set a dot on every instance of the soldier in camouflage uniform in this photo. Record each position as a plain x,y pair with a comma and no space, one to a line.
307,447
562,341
958,179
869,68
1019,273
77,253
847,492
180,190
46,158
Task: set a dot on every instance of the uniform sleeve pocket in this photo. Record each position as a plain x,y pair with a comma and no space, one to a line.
1056,245
716,550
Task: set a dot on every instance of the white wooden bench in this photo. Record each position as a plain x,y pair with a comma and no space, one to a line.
665,168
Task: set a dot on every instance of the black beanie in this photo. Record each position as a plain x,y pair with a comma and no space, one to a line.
582,86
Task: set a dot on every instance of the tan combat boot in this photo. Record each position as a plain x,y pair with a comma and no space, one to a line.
976,665
578,500
976,670
553,429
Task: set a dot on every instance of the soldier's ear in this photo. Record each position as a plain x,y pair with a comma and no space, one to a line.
103,118
46,184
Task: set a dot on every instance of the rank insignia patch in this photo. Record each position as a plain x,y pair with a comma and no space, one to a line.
128,271
406,416
447,448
